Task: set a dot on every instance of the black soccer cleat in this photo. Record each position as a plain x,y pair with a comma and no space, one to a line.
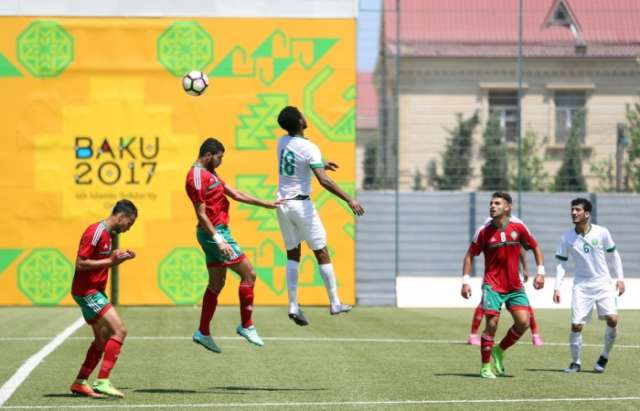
573,367
600,364
299,318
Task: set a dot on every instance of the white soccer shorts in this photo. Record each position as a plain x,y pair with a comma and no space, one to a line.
300,221
604,298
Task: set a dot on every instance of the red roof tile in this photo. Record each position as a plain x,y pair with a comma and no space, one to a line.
489,27
367,103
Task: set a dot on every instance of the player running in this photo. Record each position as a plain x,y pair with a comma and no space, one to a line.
95,256
209,193
588,243
501,240
478,313
298,158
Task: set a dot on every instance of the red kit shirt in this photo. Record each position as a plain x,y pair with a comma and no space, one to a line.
501,248
207,188
95,244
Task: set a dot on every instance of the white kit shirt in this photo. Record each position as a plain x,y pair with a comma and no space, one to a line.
297,156
588,252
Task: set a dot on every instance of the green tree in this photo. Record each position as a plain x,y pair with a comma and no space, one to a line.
495,168
605,170
534,175
370,181
569,177
417,181
456,159
631,179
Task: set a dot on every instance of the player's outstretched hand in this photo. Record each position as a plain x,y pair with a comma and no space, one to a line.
538,282
556,296
330,166
465,291
356,207
132,254
273,204
620,287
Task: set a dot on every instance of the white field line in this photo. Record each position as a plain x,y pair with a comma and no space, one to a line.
314,339
325,403
12,384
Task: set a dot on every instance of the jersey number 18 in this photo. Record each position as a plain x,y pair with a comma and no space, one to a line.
287,162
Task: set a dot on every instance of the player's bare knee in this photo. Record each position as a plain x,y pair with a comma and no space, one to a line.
612,321
120,333
322,255
294,254
576,328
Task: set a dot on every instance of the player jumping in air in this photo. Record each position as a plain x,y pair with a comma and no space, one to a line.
95,256
298,158
209,193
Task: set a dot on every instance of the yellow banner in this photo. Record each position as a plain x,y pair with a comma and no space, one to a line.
93,110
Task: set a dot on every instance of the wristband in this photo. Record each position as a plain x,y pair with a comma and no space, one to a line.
465,279
541,270
218,238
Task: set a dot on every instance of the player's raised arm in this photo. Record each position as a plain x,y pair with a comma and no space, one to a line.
326,182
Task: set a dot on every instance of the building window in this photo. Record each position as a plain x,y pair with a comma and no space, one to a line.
570,108
504,105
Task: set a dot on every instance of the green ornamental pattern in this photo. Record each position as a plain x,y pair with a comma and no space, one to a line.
268,65
182,275
183,47
45,276
260,124
45,48
344,130
256,186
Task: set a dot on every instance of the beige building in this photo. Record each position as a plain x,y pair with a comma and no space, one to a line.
459,56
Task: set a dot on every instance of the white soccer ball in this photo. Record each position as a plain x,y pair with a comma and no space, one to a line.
195,82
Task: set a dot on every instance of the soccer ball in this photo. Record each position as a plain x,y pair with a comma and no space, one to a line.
195,82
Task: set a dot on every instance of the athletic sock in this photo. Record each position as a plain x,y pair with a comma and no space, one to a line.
329,278
486,343
477,319
111,353
209,304
292,284
511,338
245,292
610,334
94,353
575,346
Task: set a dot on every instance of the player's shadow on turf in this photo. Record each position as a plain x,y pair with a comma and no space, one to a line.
558,370
454,374
236,388
166,391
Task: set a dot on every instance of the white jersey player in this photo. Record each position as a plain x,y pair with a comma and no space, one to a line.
588,244
298,159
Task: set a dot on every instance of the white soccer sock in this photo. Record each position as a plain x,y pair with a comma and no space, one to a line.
329,278
610,334
292,284
575,344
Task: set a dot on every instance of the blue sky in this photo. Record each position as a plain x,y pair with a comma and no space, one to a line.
368,33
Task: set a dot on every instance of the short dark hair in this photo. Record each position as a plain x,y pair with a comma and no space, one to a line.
125,206
502,194
586,204
289,119
211,145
